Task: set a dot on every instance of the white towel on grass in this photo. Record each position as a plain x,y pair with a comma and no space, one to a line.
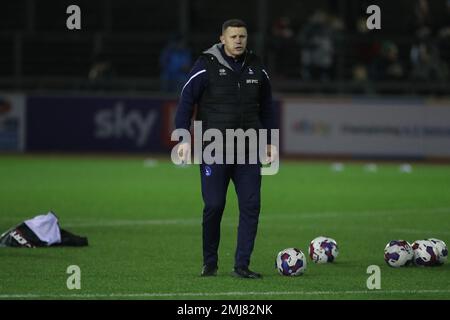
46,228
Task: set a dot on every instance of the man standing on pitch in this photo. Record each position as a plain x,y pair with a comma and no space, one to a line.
229,85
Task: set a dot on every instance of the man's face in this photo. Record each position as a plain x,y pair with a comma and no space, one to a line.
234,40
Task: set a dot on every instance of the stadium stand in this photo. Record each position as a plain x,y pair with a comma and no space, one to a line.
39,52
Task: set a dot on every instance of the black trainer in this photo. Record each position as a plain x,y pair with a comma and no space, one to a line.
209,271
245,273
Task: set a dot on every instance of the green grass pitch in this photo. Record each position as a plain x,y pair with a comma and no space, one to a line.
143,221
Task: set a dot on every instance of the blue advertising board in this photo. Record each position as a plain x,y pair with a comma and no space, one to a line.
74,123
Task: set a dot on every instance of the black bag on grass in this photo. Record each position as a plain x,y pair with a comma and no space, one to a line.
41,231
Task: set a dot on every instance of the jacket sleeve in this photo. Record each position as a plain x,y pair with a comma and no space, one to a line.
191,94
267,107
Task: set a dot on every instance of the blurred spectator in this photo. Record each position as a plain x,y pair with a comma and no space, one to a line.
387,66
422,19
280,53
282,29
443,41
5,109
366,49
422,14
428,53
317,46
9,126
444,28
175,62
426,62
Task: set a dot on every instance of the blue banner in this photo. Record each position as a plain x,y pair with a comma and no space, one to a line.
117,124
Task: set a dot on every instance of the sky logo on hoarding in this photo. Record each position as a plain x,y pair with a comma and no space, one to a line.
119,123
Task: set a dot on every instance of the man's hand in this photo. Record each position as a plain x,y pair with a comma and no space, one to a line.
271,153
184,152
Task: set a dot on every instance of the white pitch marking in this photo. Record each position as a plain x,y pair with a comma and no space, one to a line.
419,231
124,223
213,294
263,217
88,223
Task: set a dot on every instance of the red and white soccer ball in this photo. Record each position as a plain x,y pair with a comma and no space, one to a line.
291,262
442,250
398,253
425,253
323,250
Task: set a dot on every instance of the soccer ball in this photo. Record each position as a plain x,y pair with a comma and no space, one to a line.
323,250
425,253
398,253
291,262
441,249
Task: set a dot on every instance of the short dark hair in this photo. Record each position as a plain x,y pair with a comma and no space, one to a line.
233,23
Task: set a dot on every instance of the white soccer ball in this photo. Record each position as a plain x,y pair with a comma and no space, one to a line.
441,249
398,253
291,262
425,253
323,250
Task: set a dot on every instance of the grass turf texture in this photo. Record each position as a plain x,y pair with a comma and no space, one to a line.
144,229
